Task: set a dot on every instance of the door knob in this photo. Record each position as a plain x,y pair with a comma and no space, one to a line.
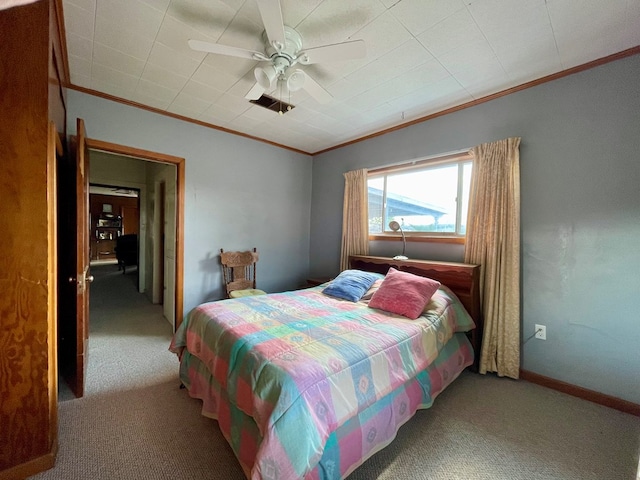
89,278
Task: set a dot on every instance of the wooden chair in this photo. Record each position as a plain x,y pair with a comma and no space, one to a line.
239,273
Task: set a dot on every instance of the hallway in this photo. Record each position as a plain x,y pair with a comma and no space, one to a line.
128,336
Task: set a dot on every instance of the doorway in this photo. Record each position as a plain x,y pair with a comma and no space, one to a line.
74,233
114,228
168,171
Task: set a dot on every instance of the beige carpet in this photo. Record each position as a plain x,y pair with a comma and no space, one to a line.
135,423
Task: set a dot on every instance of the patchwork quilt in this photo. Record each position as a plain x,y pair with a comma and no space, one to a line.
300,365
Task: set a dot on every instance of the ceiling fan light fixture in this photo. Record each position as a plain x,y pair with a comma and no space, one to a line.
294,79
283,49
265,75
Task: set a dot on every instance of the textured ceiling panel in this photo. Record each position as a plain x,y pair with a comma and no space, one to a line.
422,56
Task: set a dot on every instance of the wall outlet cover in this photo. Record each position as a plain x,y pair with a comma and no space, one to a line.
541,332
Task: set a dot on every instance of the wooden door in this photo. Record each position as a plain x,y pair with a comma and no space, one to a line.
83,254
73,263
130,219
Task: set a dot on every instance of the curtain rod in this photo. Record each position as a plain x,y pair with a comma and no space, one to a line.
417,161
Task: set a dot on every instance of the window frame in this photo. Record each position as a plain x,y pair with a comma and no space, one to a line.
461,159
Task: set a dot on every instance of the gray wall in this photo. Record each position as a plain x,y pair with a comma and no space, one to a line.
580,214
239,193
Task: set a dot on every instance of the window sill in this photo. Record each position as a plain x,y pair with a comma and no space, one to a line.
422,238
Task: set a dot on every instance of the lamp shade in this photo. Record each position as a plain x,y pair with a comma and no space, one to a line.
294,79
265,75
395,226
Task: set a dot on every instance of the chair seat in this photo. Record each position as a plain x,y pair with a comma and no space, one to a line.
246,293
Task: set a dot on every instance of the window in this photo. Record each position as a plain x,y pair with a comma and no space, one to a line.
427,198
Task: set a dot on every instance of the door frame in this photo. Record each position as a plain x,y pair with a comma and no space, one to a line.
180,164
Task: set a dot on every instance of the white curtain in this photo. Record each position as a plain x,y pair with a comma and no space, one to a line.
355,217
493,241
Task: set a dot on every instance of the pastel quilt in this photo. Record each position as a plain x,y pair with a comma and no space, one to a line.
301,364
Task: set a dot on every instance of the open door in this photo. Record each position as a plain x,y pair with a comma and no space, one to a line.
74,256
83,257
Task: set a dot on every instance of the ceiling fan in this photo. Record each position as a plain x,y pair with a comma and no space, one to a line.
283,51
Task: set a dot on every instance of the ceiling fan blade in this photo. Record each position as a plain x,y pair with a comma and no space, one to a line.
255,93
225,50
316,90
271,14
333,53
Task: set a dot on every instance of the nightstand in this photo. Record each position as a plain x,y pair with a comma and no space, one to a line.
314,282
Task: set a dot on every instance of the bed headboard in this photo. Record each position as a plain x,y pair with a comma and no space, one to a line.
462,278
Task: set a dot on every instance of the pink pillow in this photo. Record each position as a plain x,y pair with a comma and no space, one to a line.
404,293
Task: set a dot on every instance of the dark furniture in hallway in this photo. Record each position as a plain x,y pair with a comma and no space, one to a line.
127,251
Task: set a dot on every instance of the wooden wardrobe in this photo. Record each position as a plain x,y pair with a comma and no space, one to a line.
32,132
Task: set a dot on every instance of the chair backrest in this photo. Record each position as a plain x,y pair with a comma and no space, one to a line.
127,249
127,242
238,270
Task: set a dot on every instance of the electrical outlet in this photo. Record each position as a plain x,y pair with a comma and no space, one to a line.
541,332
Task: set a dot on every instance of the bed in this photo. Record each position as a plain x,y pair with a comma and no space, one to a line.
305,384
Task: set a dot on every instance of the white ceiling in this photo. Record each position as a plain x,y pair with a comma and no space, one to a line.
423,56
114,191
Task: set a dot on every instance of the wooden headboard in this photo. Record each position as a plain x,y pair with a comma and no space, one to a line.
462,278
